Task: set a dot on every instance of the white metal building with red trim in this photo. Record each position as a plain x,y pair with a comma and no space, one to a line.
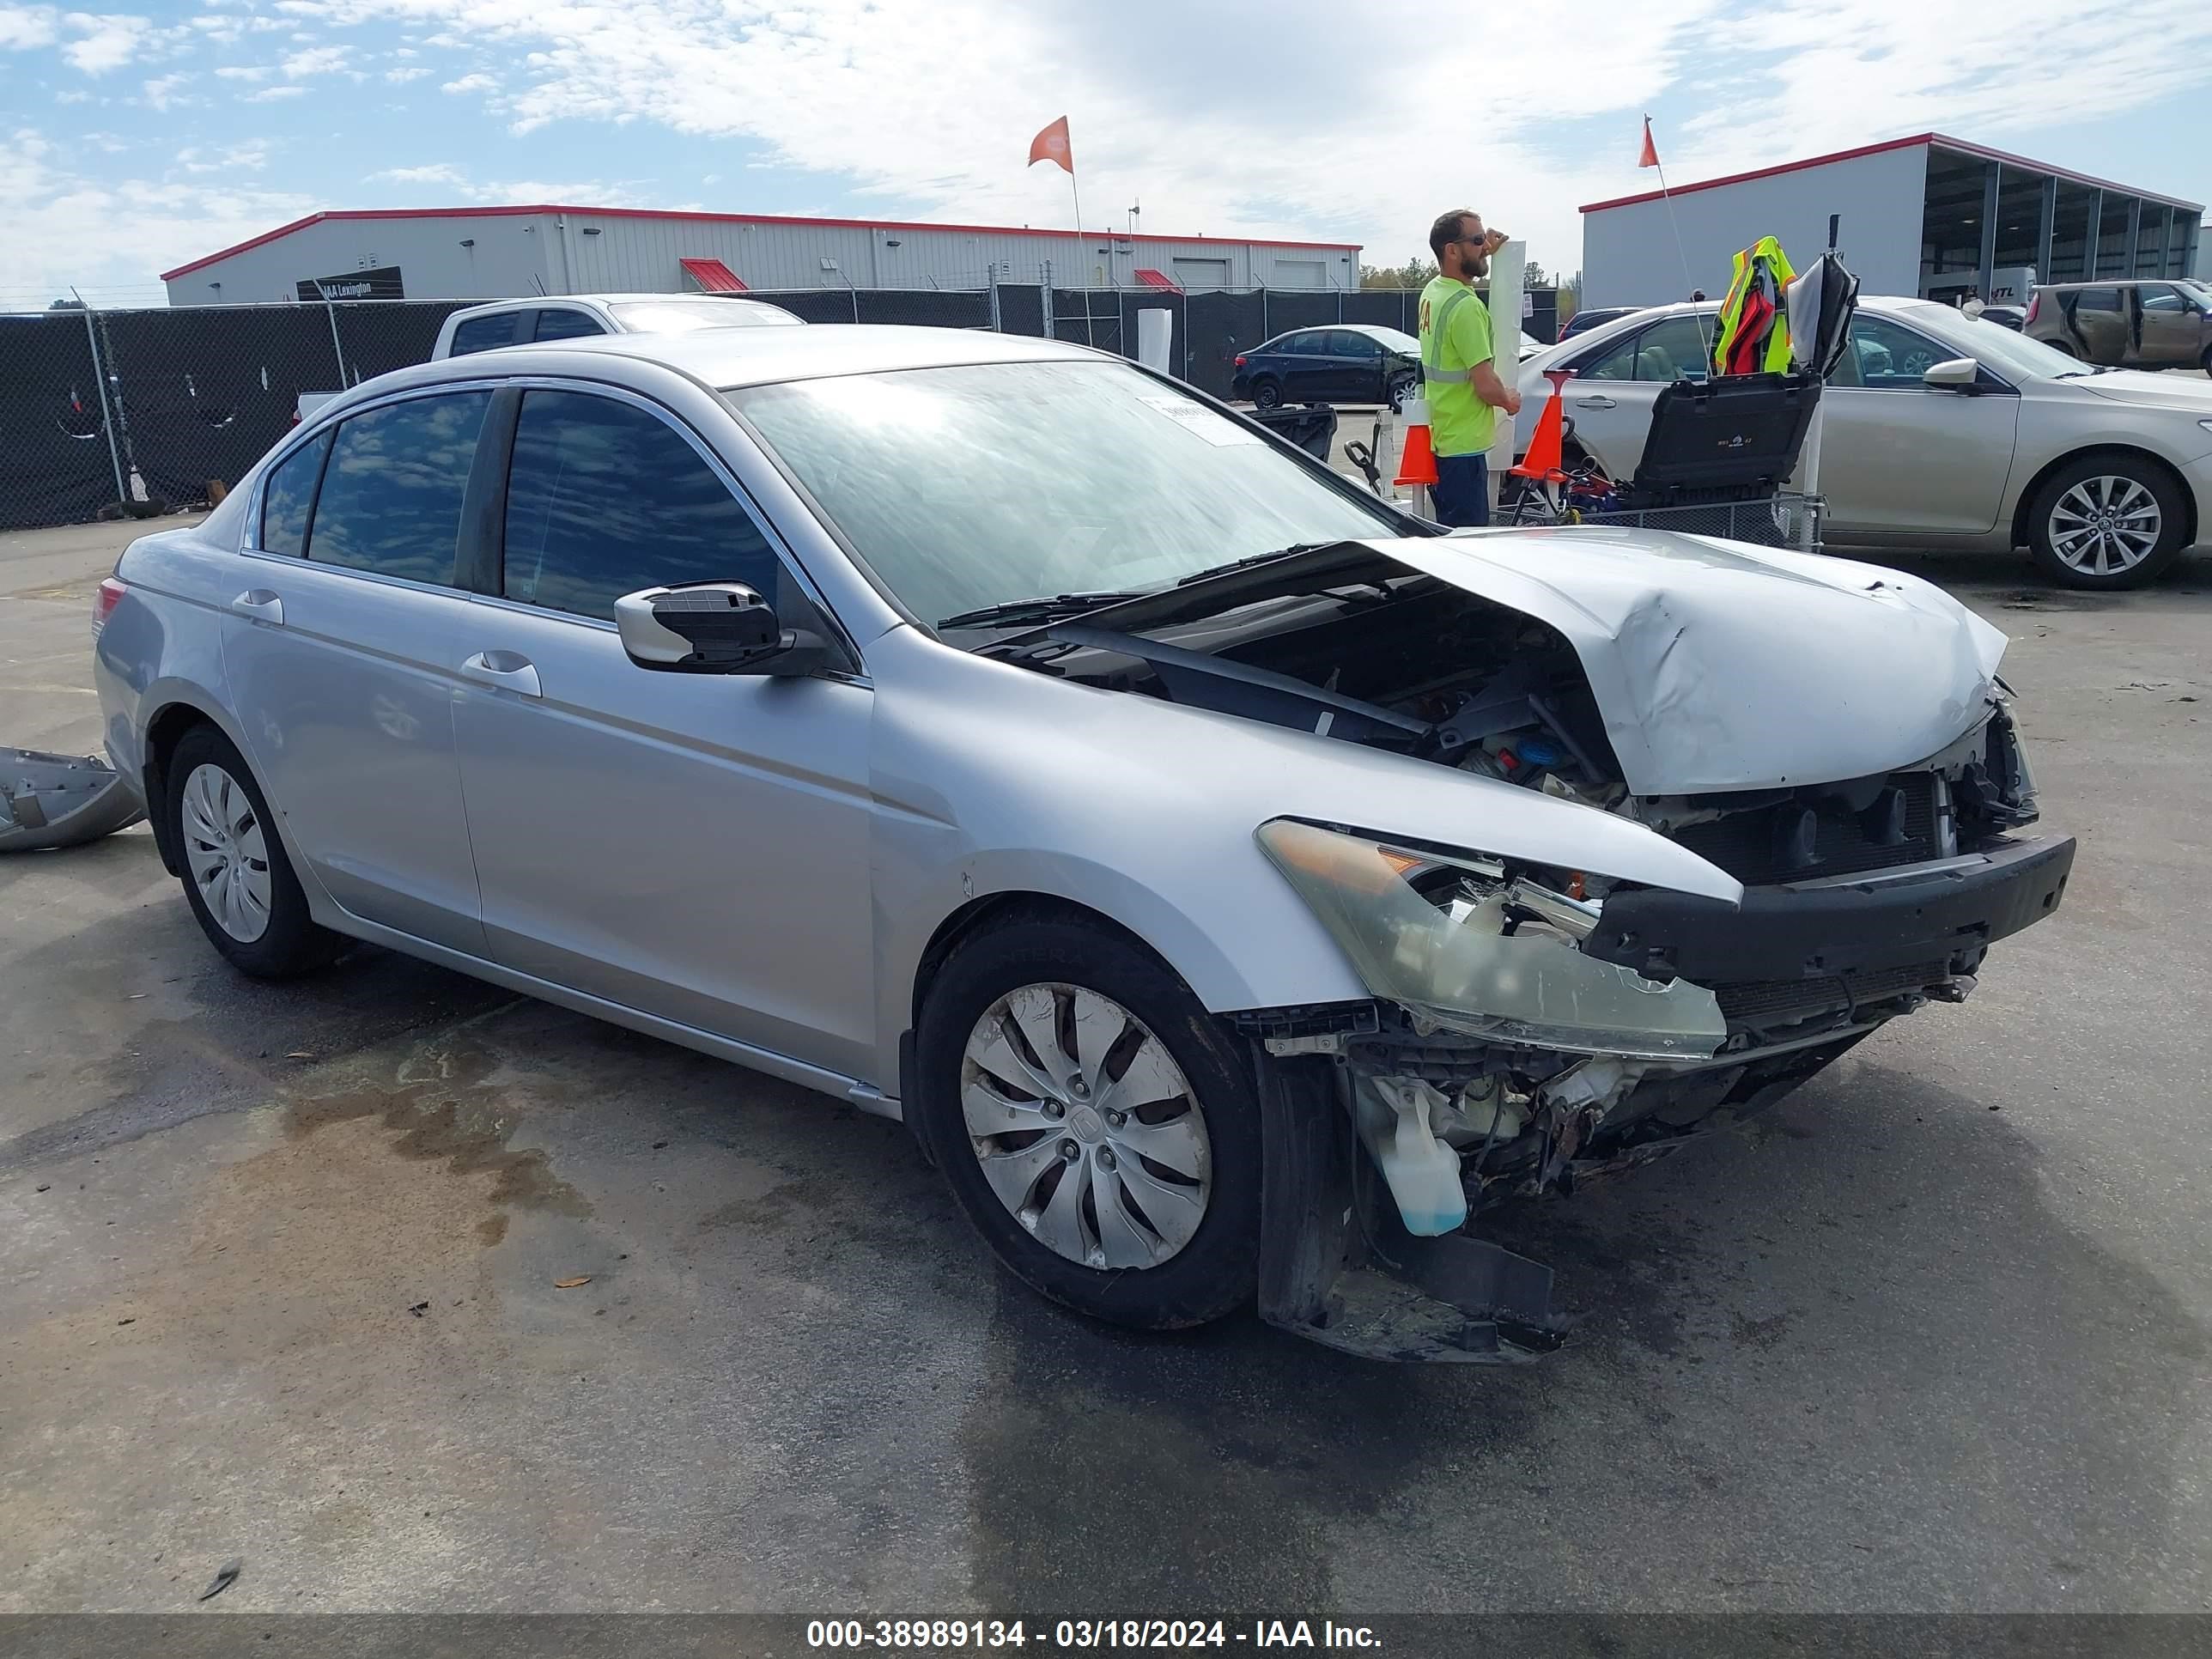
496,252
1927,216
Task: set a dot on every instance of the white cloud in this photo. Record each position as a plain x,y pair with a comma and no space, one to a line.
245,71
438,173
514,191
105,42
471,84
317,60
406,72
68,227
273,94
236,158
72,98
162,91
23,27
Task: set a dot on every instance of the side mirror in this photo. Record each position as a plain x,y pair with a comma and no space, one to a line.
712,628
1960,374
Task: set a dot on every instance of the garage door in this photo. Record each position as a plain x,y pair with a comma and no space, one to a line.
1193,274
1297,273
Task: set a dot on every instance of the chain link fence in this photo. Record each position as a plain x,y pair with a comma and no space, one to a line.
139,412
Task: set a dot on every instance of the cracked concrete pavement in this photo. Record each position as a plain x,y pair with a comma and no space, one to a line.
280,1280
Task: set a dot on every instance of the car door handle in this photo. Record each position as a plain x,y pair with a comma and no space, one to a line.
261,604
1595,402
507,669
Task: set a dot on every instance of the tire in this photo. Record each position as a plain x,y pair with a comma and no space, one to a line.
1401,391
1267,393
1160,1271
2146,512
218,819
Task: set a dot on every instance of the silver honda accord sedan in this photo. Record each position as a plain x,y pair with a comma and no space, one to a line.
1237,886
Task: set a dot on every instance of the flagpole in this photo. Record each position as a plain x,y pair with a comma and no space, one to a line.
1089,337
1682,252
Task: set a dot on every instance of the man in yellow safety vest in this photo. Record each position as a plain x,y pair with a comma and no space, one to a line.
1459,373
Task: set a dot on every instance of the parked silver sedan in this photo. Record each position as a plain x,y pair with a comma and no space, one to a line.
1942,430
1234,884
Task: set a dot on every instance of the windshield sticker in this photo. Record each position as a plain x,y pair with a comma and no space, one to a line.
1196,417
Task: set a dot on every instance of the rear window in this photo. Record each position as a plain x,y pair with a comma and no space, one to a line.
391,500
566,323
482,333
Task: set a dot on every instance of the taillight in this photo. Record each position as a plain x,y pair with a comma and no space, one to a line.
104,601
2034,305
1239,360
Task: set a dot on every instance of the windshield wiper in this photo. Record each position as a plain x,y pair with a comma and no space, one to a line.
1037,609
1246,563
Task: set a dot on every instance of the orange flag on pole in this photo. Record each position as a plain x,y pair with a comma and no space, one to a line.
1052,145
1649,157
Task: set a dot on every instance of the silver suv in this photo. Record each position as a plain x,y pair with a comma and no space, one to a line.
1193,849
2165,325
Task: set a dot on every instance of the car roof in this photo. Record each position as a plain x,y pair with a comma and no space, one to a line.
604,300
727,358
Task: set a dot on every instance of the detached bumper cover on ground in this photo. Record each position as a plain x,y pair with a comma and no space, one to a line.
61,800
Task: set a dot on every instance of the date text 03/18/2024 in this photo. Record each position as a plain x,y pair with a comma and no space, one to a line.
922,1635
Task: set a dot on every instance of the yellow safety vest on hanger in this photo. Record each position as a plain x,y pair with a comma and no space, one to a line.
1754,333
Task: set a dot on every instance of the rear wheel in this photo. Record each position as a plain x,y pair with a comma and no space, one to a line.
1267,393
2106,521
1097,1126
237,879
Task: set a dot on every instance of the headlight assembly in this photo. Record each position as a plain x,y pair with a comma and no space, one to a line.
1458,945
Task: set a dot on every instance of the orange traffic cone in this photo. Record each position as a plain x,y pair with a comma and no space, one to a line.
1547,443
1416,461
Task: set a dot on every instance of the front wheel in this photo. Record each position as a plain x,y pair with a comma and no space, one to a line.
2106,521
1097,1127
1266,393
1403,391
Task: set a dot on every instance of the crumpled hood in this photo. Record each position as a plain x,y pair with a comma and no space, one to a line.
1720,666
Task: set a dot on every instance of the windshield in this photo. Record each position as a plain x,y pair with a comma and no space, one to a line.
1393,338
2013,355
2201,292
683,316
966,487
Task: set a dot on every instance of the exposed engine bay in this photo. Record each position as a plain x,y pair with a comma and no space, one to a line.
1557,1025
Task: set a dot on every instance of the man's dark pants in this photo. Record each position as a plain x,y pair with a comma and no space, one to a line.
1461,495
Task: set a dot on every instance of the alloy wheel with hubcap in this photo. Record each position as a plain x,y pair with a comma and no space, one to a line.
226,853
1085,1127
2104,526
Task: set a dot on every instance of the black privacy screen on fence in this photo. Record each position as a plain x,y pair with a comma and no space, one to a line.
194,395
54,465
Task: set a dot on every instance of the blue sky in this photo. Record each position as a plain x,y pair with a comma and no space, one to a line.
132,142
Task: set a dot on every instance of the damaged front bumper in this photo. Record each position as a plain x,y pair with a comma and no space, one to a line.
61,800
1365,1103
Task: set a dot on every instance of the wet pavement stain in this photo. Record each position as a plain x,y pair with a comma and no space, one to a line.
443,1108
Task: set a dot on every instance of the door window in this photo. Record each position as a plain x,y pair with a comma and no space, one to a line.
1301,345
482,333
290,493
391,500
1345,342
566,323
2158,300
1887,356
603,499
1667,351
2096,299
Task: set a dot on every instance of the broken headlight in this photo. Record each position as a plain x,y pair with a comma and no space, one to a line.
1461,945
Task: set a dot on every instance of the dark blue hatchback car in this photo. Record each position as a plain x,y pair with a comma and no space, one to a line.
1348,363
